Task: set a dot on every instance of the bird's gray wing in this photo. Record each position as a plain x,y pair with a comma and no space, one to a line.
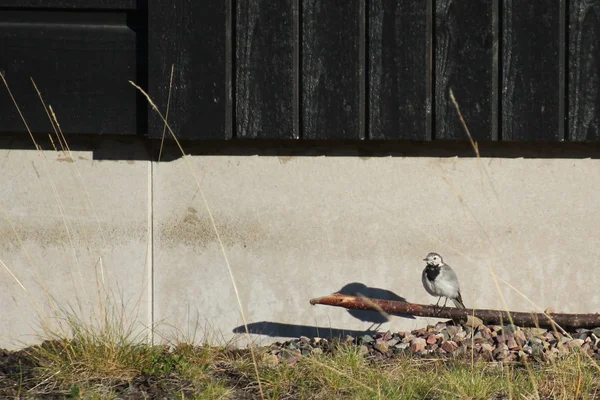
450,276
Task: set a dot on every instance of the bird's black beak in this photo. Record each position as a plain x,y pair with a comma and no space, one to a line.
424,259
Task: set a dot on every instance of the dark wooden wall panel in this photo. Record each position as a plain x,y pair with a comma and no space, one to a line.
80,61
192,35
266,89
398,69
531,82
333,87
72,4
584,70
464,62
307,69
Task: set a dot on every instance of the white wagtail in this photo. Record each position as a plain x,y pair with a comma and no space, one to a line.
440,280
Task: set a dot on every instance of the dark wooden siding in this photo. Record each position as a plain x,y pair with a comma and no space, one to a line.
307,69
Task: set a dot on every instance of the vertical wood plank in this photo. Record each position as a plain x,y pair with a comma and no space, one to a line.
193,36
398,70
332,72
584,70
266,67
464,62
531,70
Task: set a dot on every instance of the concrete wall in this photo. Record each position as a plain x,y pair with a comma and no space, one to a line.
293,228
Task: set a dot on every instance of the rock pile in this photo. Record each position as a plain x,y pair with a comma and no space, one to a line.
491,343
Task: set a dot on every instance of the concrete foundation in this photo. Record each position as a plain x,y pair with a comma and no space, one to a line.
292,228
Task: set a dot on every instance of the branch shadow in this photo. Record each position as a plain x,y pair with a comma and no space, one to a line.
277,329
362,290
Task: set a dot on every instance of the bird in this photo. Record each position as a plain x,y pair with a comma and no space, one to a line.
441,280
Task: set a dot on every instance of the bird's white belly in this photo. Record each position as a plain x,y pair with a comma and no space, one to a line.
440,288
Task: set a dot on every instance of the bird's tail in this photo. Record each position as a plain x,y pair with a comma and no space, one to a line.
458,302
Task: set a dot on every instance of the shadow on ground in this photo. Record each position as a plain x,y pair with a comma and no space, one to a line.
277,329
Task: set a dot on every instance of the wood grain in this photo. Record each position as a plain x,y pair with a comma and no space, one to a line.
80,61
266,90
398,69
332,60
464,62
584,71
193,36
531,74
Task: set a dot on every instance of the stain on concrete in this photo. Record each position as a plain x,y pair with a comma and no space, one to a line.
195,230
51,233
285,159
65,159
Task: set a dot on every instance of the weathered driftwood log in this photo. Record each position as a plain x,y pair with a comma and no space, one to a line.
494,317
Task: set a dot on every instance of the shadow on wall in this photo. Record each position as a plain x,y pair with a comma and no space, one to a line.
276,329
375,317
140,148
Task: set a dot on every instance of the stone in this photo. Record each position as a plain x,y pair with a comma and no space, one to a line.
538,331
453,330
381,347
432,339
417,345
408,338
317,351
487,347
420,332
440,326
271,360
364,350
449,346
402,346
473,322
366,339
512,343
501,352
509,329
571,344
520,337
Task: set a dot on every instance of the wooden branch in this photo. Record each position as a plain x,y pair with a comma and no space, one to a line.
493,317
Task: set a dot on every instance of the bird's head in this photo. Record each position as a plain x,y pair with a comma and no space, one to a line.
434,259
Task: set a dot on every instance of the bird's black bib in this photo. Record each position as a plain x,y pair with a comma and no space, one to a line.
432,272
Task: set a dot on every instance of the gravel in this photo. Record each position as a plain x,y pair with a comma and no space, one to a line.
506,343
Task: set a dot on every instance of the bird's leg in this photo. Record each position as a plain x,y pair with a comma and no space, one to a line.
437,304
445,302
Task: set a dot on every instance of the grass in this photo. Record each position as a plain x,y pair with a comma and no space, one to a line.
94,364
